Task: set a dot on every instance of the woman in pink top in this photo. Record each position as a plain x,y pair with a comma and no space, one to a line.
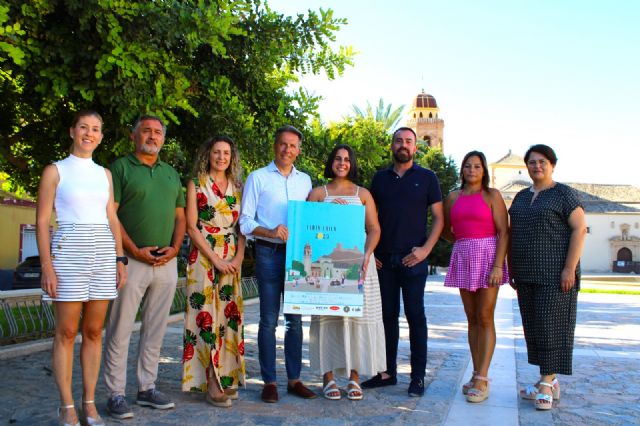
476,219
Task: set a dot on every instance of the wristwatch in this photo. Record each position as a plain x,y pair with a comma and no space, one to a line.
123,259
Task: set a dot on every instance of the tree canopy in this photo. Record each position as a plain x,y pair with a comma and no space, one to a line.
365,135
447,172
206,67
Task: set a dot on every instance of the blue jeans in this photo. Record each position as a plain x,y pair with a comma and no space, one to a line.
270,265
393,277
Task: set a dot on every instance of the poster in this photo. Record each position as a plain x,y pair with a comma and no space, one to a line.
325,251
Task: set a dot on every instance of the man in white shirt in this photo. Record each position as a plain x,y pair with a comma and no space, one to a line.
264,217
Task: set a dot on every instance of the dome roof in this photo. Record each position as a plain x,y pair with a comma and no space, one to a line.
424,100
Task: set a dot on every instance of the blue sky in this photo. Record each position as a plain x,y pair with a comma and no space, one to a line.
505,74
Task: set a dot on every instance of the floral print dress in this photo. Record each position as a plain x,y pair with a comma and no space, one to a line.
213,325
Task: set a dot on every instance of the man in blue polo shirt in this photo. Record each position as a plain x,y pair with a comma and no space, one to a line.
404,194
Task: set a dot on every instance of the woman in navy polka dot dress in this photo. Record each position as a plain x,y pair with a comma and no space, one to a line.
547,236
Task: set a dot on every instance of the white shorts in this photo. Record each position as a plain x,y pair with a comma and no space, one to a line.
84,259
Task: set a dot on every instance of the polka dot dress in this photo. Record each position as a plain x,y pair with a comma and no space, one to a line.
540,235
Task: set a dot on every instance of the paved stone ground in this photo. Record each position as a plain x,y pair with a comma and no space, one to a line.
605,386
604,389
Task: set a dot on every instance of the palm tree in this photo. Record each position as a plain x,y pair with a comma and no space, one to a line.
384,114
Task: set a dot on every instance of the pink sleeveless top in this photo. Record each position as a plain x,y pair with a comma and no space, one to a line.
471,217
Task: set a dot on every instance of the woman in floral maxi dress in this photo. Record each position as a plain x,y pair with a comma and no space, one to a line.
213,328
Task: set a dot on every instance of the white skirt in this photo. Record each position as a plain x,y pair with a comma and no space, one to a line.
342,344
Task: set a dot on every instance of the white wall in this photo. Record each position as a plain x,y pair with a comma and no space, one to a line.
597,256
502,176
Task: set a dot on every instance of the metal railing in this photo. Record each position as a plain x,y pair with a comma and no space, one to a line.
24,316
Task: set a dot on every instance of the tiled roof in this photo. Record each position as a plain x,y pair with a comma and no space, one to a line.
424,100
617,193
600,198
596,198
515,186
511,160
340,254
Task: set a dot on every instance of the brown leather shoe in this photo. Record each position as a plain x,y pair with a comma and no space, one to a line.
269,393
301,390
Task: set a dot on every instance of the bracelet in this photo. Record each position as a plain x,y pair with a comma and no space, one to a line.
499,267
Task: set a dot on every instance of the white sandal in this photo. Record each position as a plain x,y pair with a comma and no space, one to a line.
352,393
61,422
478,395
469,384
531,391
91,421
328,390
544,401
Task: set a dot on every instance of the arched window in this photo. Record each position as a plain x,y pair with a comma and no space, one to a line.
414,115
624,254
421,115
430,115
427,140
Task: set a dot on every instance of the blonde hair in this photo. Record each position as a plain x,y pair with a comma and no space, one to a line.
202,164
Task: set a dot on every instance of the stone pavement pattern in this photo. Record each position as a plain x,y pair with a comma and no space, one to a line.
605,387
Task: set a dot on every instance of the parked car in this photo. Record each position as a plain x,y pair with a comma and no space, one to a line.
27,274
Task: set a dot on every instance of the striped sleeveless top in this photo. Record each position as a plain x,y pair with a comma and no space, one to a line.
351,199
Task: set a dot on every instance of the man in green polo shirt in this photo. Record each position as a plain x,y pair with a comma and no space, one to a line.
150,203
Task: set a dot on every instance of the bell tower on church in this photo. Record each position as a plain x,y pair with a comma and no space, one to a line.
307,259
424,119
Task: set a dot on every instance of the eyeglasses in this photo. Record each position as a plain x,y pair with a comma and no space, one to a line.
541,162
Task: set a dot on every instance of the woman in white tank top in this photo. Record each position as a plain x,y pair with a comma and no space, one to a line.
83,265
354,345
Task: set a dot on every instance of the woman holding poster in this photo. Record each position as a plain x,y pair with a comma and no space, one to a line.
331,337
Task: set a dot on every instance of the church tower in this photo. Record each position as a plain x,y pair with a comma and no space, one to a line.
307,259
424,119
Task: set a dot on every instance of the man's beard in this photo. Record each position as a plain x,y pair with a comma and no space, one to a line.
402,156
149,149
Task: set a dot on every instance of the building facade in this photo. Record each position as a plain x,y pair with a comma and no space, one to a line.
17,230
612,213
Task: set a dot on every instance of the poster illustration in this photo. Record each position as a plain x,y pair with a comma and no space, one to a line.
325,251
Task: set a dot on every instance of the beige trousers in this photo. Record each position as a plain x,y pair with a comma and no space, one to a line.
159,284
